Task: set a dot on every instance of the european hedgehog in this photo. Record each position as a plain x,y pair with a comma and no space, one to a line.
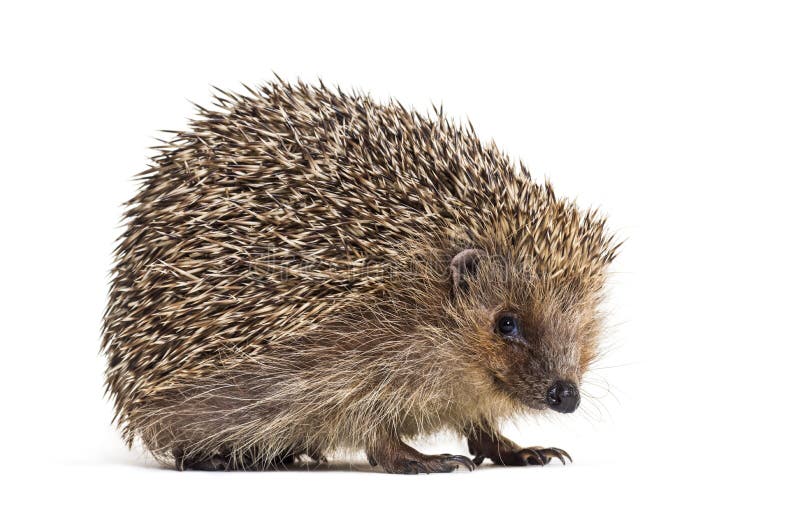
305,270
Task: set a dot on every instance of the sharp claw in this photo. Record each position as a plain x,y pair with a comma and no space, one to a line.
555,452
558,455
463,461
533,453
550,452
561,454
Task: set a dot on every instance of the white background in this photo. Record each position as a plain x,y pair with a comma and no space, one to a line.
681,120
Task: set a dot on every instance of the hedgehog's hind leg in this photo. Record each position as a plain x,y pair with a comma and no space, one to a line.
226,460
200,460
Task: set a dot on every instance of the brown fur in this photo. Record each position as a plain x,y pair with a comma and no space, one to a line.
285,285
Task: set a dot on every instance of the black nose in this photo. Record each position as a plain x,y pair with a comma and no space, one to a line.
563,397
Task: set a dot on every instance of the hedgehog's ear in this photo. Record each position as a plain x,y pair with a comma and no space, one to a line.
465,262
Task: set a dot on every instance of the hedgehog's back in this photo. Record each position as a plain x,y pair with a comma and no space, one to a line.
272,211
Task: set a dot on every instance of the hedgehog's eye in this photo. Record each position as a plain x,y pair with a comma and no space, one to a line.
507,325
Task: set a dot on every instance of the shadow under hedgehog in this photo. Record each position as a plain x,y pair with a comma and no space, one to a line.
305,270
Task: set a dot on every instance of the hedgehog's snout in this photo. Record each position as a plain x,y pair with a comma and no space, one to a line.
563,397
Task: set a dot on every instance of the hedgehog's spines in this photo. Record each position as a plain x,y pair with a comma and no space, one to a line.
293,209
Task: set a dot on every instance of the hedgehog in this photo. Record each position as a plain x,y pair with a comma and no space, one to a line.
306,270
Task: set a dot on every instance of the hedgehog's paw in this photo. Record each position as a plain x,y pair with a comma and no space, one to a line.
428,464
549,453
212,462
490,444
225,459
527,456
399,458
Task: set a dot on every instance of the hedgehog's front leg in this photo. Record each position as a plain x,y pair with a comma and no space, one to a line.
502,451
398,458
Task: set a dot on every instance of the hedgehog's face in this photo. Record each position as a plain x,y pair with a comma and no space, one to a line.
533,339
